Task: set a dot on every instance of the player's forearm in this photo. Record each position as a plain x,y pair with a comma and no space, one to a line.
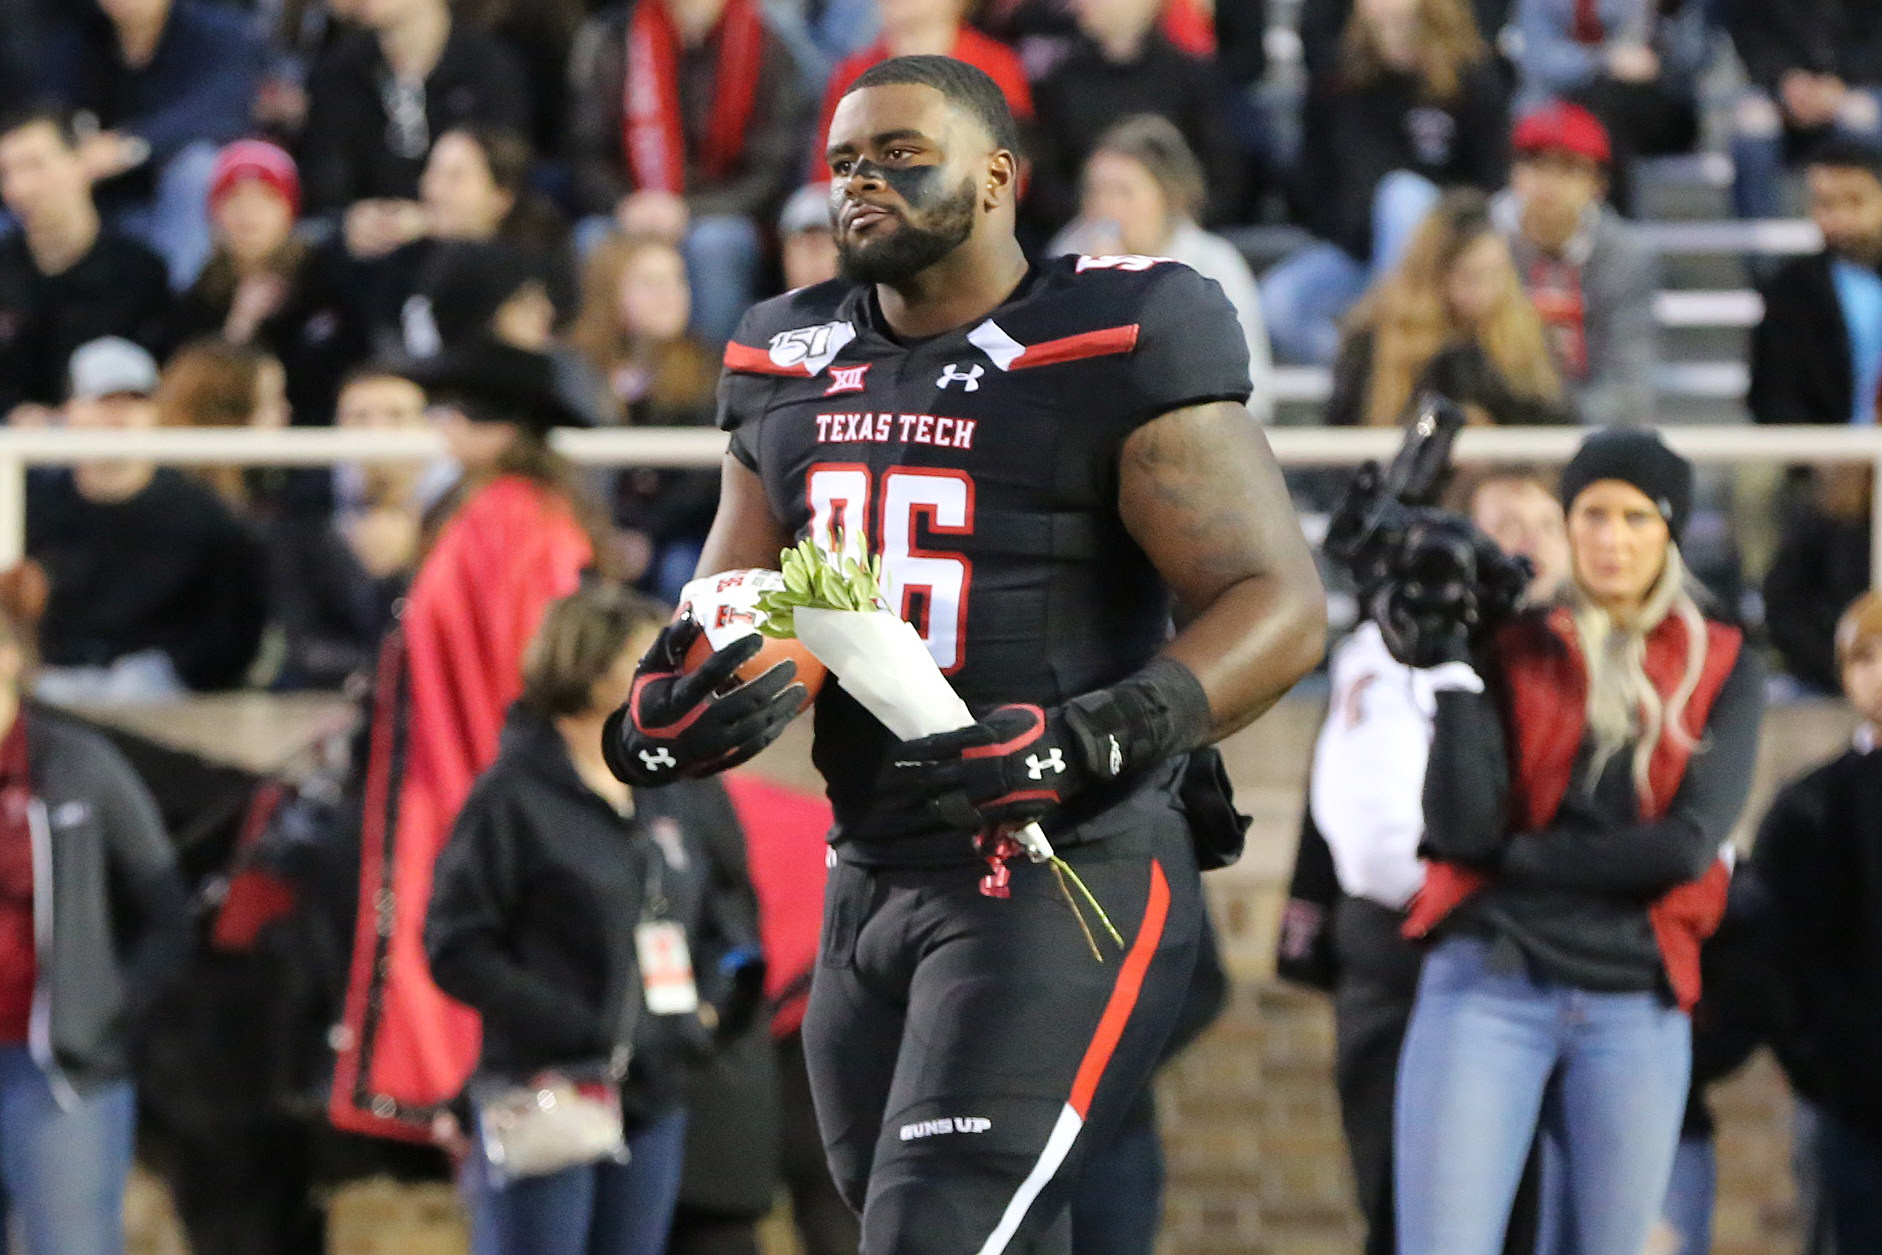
1251,645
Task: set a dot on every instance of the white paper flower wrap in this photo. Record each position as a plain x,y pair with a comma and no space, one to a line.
880,660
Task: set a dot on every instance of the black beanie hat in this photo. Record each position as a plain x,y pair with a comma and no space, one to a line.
1637,456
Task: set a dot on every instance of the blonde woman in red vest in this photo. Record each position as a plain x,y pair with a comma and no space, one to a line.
1587,765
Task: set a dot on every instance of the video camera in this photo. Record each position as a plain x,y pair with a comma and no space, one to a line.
1432,582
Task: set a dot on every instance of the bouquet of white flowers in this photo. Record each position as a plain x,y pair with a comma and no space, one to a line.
833,602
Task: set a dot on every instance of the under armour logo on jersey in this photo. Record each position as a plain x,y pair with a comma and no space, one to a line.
969,379
1037,767
656,759
846,379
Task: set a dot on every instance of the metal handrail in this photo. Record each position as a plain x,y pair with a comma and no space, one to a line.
704,447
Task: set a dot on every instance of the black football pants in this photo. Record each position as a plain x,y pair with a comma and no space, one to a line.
966,1052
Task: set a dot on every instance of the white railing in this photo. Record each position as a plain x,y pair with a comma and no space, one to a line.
701,447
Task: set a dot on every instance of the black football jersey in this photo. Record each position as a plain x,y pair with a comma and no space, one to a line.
982,464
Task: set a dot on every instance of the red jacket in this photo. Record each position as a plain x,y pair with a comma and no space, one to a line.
447,675
1544,684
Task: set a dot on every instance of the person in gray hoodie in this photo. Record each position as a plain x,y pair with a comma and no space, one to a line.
93,921
1591,277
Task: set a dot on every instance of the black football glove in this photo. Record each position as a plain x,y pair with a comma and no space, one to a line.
678,725
1018,764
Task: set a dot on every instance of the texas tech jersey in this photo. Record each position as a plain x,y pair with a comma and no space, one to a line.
982,464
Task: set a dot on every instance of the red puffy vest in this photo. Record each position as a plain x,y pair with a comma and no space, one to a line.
1545,688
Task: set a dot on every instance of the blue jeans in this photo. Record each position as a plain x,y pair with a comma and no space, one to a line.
597,1209
1484,1046
62,1173
1850,1162
1690,1200
1758,152
175,221
1304,297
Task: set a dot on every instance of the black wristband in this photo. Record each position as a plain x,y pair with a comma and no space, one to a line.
1159,712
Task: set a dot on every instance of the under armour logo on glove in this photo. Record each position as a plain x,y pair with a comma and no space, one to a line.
1037,767
969,379
682,723
1015,765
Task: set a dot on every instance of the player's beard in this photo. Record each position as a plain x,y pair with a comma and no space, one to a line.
902,254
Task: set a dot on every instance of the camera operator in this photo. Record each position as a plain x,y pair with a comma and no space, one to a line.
1366,795
1585,771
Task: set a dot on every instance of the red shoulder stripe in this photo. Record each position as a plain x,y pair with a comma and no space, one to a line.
751,361
1101,343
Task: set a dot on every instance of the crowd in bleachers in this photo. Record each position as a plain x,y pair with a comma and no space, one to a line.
500,216
303,191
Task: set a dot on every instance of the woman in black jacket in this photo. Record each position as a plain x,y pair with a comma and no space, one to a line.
558,885
1583,781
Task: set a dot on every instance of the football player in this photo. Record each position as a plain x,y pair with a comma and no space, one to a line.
1053,461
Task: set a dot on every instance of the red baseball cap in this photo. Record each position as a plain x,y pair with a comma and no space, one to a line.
258,160
1565,128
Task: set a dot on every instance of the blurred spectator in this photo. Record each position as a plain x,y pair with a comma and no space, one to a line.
541,33
212,383
1452,317
1143,191
1118,65
470,293
1820,567
1415,104
65,279
475,189
299,32
806,239
1322,23
515,534
1634,63
267,287
156,587
785,833
632,332
555,876
336,579
168,82
1590,277
925,28
1816,70
1817,856
1575,840
1366,794
1816,356
703,151
380,96
90,938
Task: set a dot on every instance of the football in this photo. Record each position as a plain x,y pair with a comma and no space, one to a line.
725,606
